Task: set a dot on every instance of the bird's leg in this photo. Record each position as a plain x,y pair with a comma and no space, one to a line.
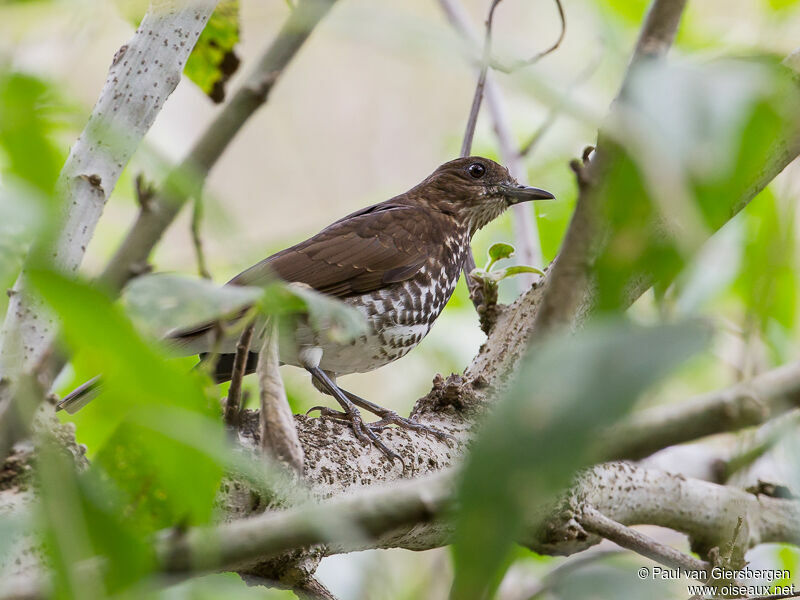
390,417
387,417
351,414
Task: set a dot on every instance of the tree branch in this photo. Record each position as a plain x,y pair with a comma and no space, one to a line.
397,515
595,522
233,403
743,405
568,283
188,178
278,434
142,76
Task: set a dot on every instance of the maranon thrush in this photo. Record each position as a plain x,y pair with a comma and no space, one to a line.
396,262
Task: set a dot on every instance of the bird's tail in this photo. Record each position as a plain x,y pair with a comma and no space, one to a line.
81,396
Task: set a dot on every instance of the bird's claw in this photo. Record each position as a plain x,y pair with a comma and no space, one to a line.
364,432
390,417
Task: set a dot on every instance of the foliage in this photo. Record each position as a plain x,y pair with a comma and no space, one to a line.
543,431
213,60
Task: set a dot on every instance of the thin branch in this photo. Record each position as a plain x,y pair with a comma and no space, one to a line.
539,55
197,240
526,236
594,521
568,284
584,75
475,288
743,405
278,434
150,225
350,520
477,98
233,403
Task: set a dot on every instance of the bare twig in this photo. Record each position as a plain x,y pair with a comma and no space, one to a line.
477,98
539,55
584,75
475,289
150,226
233,403
197,240
278,434
595,522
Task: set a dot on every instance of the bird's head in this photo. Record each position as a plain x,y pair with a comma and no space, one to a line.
475,190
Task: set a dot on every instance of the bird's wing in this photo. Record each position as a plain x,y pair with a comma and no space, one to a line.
380,245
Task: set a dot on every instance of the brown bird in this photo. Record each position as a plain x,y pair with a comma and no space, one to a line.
396,262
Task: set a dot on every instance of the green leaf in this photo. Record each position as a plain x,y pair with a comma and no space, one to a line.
160,302
543,431
213,61
499,251
339,321
697,137
518,269
154,420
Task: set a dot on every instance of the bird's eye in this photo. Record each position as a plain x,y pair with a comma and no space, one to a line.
477,170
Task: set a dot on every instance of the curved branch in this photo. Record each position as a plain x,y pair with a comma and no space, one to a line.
396,515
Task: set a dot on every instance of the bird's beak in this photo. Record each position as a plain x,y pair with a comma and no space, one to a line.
523,193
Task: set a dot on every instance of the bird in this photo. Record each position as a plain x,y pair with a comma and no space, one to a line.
396,262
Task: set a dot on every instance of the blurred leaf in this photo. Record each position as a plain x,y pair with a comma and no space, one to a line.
781,5
66,537
29,166
26,126
544,429
338,320
213,61
688,141
23,214
159,462
161,301
767,281
712,271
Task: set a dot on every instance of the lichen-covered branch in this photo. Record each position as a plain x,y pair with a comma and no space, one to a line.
412,514
142,75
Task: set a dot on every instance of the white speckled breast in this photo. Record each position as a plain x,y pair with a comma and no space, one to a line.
398,316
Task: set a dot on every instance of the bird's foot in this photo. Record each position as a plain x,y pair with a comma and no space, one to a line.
364,432
388,418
